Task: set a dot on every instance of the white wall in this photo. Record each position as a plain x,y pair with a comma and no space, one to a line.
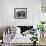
0,12
33,12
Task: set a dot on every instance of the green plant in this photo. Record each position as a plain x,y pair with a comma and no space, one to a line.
34,39
41,26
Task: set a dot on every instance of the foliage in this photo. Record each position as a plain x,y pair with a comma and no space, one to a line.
41,26
34,38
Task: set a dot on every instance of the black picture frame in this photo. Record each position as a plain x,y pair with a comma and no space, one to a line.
20,13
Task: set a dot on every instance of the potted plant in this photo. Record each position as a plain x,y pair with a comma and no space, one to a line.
34,39
41,27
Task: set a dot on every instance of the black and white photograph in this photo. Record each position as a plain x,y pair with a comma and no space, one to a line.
20,13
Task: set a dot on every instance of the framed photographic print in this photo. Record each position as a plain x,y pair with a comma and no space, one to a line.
20,13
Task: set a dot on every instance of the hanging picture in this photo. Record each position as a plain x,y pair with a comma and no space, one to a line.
20,13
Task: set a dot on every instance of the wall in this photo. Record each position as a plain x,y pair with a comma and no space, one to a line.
0,13
43,10
33,12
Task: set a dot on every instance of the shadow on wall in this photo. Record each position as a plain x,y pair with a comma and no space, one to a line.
1,33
